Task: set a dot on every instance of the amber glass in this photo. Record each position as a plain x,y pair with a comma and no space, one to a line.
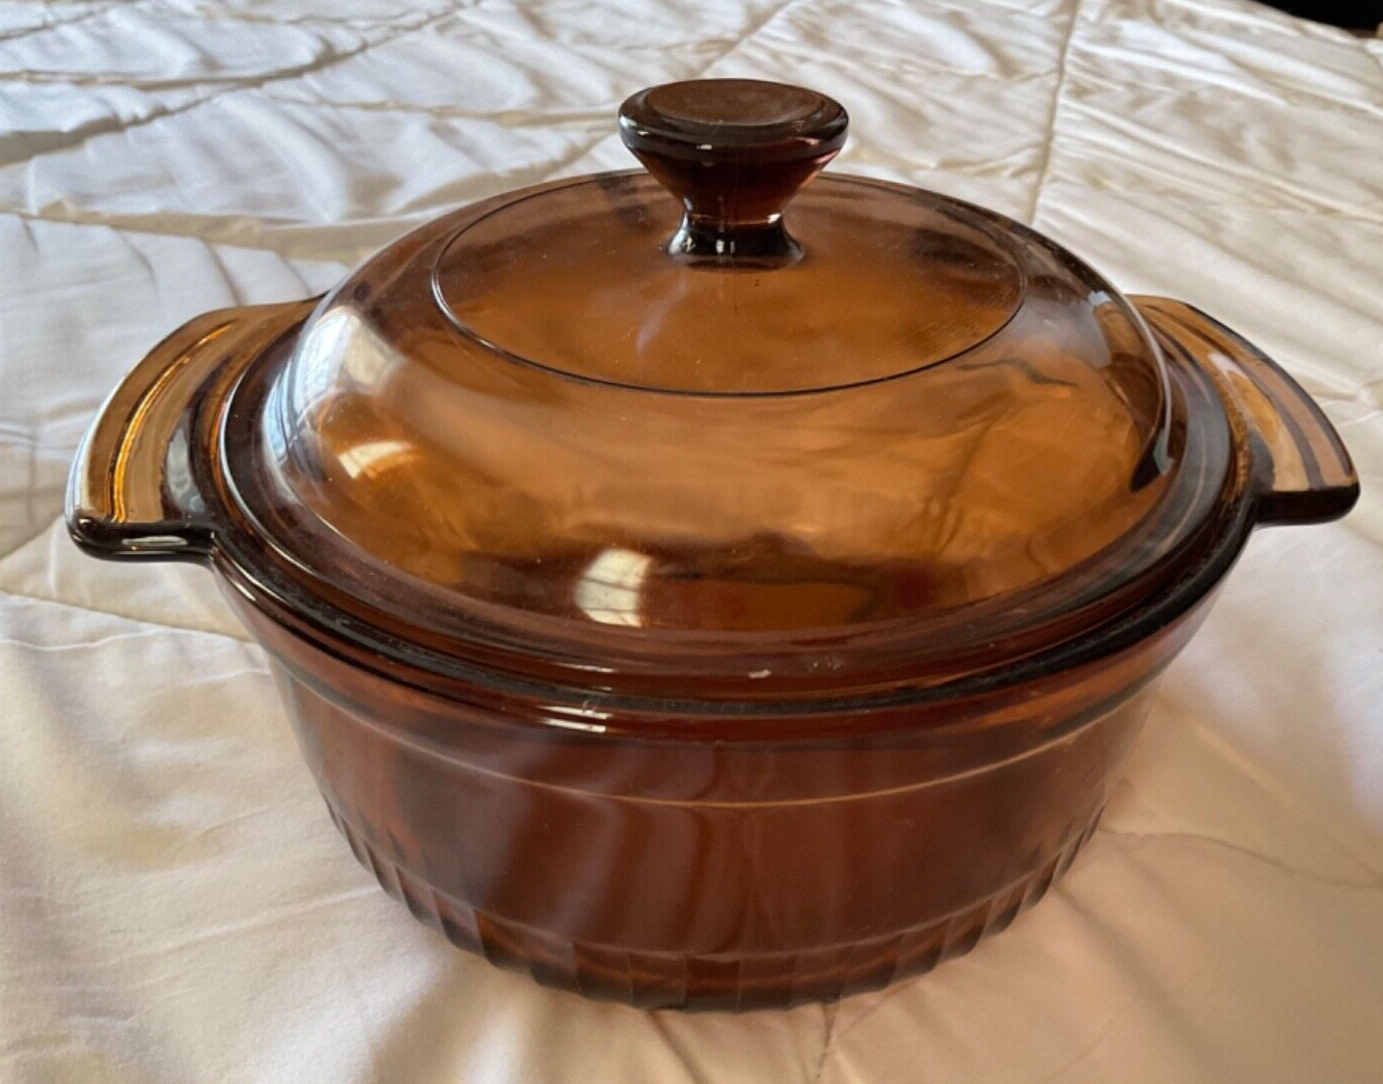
531,429
692,873
545,435
711,588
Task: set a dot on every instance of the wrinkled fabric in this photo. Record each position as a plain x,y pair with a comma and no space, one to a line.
174,903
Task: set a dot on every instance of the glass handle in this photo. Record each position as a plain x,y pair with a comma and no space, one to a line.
1304,473
133,493
734,152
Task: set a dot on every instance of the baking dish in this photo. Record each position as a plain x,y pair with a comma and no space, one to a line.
715,585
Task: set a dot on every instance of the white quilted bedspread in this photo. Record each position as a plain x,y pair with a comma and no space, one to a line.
175,905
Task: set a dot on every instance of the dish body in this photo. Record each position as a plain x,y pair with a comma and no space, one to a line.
656,815
711,873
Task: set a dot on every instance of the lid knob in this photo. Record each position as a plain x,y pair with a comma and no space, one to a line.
734,151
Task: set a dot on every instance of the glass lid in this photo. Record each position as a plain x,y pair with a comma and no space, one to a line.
725,417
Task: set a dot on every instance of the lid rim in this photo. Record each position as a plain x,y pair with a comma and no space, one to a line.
1123,631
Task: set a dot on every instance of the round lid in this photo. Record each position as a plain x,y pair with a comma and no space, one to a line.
714,421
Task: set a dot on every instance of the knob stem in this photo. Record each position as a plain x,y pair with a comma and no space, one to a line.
734,152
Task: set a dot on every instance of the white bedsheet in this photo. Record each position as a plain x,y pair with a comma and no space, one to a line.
174,903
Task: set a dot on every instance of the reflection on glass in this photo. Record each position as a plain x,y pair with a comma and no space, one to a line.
609,589
339,341
374,457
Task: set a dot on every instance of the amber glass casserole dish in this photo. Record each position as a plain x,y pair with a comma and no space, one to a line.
700,603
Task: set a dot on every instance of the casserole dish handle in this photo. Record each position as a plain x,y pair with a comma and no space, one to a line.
133,492
1302,471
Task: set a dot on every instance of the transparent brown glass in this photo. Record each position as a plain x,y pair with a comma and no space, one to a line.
705,599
